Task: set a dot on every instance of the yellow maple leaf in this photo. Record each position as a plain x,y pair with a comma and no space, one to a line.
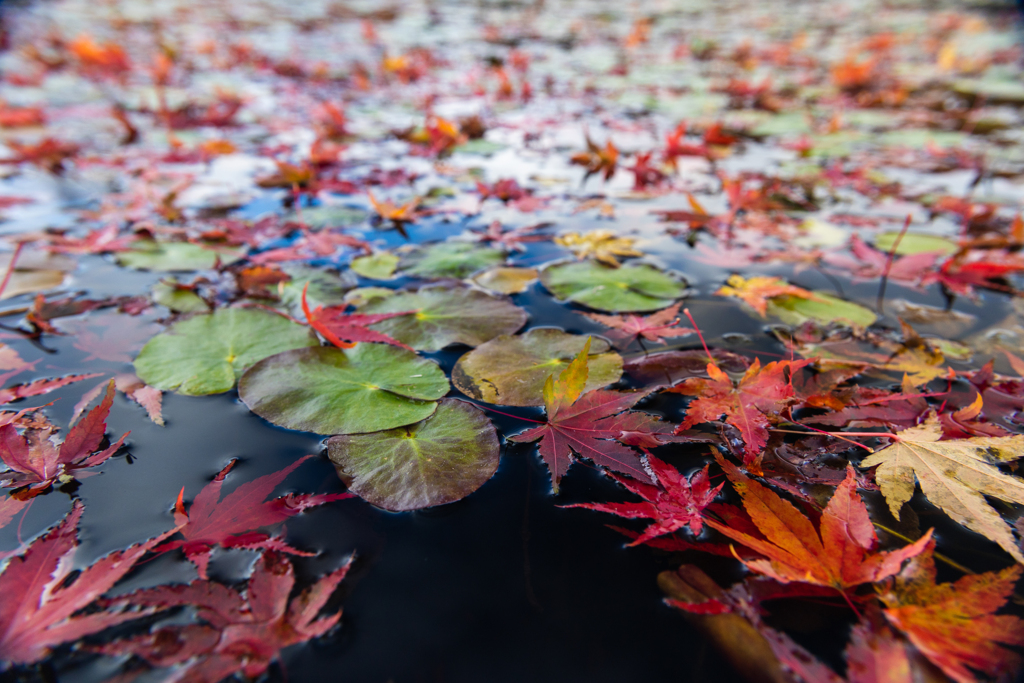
955,475
757,290
603,245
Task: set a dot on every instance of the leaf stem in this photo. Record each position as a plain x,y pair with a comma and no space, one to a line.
888,265
701,335
10,267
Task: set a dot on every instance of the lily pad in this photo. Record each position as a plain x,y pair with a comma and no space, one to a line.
915,243
172,256
207,353
326,286
446,315
632,287
378,266
440,460
449,259
506,280
178,299
332,216
511,371
343,391
794,310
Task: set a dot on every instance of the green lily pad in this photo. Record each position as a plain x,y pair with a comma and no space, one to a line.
178,300
632,287
449,259
446,315
794,310
378,266
343,391
176,256
915,243
207,353
332,216
511,371
440,460
326,287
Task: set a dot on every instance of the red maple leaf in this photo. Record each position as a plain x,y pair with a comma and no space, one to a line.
233,521
746,405
244,632
511,239
34,461
869,263
40,386
673,504
41,599
626,328
100,241
594,425
312,245
840,553
346,330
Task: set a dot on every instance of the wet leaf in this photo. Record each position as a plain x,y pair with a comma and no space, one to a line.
758,291
449,259
955,476
602,245
206,354
627,328
955,625
173,256
507,280
177,298
914,243
512,371
632,287
378,266
443,315
440,460
367,388
823,308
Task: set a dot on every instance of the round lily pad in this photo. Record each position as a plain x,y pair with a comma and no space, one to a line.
207,353
915,243
446,315
794,310
440,460
449,259
343,391
378,266
511,371
632,287
176,256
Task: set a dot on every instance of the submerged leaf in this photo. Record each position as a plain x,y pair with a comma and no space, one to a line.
512,371
439,460
207,353
343,391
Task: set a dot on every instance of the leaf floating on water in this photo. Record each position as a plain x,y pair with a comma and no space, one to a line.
512,371
449,259
602,245
206,354
757,291
378,266
441,315
627,328
439,460
632,287
507,280
955,476
325,390
176,256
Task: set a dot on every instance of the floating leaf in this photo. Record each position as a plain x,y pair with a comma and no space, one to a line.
440,460
449,259
177,298
632,287
955,475
506,280
176,256
914,243
602,245
824,308
378,266
325,286
512,371
446,315
343,391
758,291
207,353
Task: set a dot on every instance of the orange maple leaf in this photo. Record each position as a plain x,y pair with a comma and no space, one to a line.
596,159
954,624
406,213
757,290
840,553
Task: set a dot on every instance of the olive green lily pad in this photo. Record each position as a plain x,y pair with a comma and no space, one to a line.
326,286
378,266
178,299
795,310
318,217
207,353
343,391
449,259
511,371
632,287
446,315
915,243
172,256
440,460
